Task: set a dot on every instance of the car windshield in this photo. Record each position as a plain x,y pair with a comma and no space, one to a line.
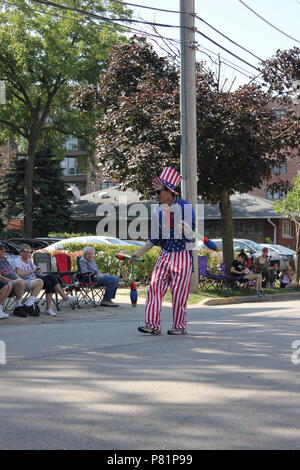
254,245
284,249
116,241
271,248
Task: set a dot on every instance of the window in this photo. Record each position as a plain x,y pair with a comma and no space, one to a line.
275,195
70,166
108,184
280,169
73,143
278,113
286,229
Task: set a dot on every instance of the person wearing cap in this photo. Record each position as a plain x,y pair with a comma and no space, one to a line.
172,224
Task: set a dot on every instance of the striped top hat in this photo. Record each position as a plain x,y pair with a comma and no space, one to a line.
169,178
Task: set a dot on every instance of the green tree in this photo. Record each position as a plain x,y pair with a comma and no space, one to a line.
290,207
239,136
51,205
43,52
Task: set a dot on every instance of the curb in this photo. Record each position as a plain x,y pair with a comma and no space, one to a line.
247,299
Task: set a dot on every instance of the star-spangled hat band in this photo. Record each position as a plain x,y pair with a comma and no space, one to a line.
169,178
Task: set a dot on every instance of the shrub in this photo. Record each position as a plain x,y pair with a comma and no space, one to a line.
105,257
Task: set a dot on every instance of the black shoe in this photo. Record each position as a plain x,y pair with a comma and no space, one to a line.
19,312
30,310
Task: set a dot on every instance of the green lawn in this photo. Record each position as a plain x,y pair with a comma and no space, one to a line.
211,293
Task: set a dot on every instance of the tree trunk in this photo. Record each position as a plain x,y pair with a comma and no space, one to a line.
227,228
28,189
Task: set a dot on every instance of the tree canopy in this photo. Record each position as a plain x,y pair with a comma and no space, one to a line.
43,52
240,138
51,205
290,207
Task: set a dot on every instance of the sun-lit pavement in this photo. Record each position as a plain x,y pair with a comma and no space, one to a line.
88,380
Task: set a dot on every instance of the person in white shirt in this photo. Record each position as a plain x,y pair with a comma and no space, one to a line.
286,280
26,269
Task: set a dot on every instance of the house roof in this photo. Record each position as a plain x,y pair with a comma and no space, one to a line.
244,206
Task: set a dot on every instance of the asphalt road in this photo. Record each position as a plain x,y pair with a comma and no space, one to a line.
88,380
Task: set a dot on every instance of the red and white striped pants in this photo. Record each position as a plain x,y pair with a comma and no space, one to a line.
174,270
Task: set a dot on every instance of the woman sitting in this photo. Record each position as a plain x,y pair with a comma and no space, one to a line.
286,279
263,265
88,265
243,274
26,269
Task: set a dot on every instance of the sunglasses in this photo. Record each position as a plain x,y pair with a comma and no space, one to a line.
158,191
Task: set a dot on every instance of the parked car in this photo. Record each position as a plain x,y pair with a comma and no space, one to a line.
287,253
251,248
10,247
11,252
87,240
48,240
135,242
33,242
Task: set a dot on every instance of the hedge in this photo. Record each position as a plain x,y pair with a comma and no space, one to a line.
105,257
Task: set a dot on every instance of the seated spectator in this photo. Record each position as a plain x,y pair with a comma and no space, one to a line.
8,274
247,261
263,265
286,279
243,254
242,274
88,265
5,288
26,269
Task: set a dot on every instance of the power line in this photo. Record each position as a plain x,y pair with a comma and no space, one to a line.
127,28
39,11
226,37
226,50
103,18
233,66
266,21
146,7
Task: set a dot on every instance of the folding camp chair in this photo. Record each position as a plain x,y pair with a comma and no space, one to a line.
47,264
88,290
65,275
207,279
43,261
231,282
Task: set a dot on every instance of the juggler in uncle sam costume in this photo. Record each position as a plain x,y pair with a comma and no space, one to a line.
172,223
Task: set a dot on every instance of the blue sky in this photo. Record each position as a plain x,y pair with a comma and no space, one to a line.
237,22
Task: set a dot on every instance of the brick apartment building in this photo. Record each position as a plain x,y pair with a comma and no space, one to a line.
76,171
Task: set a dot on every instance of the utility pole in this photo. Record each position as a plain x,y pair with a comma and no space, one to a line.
188,126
